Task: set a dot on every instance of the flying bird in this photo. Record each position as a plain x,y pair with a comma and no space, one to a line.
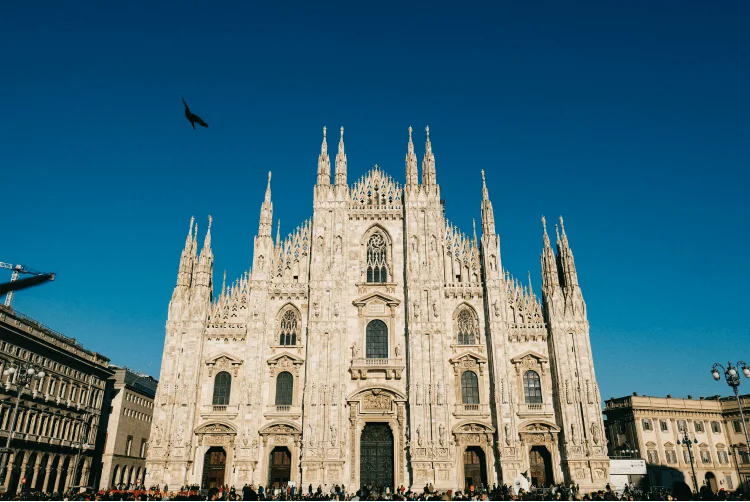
192,118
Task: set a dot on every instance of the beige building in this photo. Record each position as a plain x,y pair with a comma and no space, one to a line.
58,416
377,344
128,410
653,425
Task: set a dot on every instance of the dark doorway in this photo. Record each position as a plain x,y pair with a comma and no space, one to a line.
540,463
281,467
711,482
376,457
53,474
214,466
475,467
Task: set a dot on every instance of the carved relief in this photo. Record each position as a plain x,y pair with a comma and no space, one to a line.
373,401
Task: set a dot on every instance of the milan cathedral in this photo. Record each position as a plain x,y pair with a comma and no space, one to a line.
377,344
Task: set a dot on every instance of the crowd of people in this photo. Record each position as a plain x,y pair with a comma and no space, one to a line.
680,491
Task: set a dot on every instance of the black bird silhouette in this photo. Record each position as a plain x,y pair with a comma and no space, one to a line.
192,118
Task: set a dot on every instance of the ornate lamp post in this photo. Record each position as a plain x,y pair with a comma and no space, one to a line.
689,443
21,377
733,380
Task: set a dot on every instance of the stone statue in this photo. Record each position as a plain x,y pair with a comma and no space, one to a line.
507,435
355,350
573,433
497,308
441,434
336,308
419,435
333,435
595,433
435,311
416,309
398,350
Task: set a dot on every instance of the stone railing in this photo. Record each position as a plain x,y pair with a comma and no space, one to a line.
393,367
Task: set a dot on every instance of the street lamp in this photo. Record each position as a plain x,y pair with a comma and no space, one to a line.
689,443
733,380
22,377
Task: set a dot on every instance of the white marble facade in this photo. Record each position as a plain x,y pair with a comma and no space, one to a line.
377,338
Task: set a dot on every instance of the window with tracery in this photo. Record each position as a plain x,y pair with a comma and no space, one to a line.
532,387
222,388
376,339
288,328
467,328
469,387
377,270
284,389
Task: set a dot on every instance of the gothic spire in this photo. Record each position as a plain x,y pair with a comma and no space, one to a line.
224,284
206,251
428,164
565,255
474,226
278,233
341,162
187,258
550,278
266,212
324,163
412,175
488,214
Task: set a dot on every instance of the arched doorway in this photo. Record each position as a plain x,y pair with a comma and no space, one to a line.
475,467
376,456
540,466
54,468
214,465
711,482
280,470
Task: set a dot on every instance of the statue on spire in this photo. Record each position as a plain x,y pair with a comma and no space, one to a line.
324,162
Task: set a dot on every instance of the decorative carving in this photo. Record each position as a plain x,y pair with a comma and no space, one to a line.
415,306
496,305
435,310
373,401
439,393
333,434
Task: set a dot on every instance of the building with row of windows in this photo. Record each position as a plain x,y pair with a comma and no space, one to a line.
58,416
128,411
654,428
377,344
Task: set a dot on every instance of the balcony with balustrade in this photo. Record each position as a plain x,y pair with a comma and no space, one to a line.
283,411
471,410
362,367
219,411
534,410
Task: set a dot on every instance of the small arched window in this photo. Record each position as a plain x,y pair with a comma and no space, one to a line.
532,387
377,270
467,328
376,340
222,388
288,328
469,387
284,389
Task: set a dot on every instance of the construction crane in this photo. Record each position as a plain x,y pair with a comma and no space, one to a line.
20,269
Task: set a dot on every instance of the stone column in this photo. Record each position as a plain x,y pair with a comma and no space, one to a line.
69,477
9,470
24,466
47,472
85,471
56,486
34,479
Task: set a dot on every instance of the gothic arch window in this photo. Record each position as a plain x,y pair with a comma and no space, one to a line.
469,387
288,327
532,387
467,327
222,388
376,339
377,259
284,389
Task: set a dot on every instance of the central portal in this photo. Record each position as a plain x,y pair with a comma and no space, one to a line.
376,457
214,465
540,463
281,467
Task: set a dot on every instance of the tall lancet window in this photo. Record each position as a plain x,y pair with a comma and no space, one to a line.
222,388
376,340
377,270
469,387
467,328
532,387
284,389
288,327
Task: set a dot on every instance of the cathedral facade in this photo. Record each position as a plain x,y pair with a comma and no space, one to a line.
377,344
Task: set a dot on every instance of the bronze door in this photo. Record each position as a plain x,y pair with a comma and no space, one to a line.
214,465
281,467
540,466
475,472
376,456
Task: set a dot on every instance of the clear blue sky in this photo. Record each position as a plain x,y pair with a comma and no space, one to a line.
631,121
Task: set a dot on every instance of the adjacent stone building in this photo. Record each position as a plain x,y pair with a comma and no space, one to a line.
128,411
377,344
652,427
58,416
